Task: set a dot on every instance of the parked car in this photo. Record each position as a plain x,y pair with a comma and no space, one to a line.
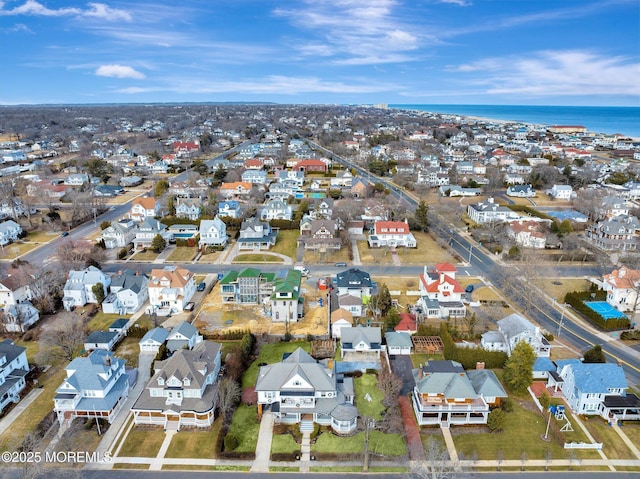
303,269
469,289
190,305
65,233
202,286
341,264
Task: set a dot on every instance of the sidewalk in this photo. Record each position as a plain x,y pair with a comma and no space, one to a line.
263,446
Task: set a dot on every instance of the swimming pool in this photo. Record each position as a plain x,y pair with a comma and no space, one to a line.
604,309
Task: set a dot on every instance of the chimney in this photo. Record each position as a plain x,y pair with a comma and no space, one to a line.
480,365
107,360
420,373
490,200
119,272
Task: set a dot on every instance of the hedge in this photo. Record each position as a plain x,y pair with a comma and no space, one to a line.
531,211
577,300
469,357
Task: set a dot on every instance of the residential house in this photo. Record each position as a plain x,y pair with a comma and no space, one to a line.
235,189
612,206
213,233
183,390
249,286
301,390
129,292
359,188
170,289
393,234
256,235
486,384
183,336
375,211
147,231
340,318
276,209
398,343
153,339
521,191
13,291
78,290
13,371
343,179
527,234
286,301
108,191
19,317
360,344
441,293
119,326
95,386
319,235
256,177
444,396
10,231
76,179
455,190
321,209
311,166
586,385
119,234
230,208
561,192
354,289
615,234
105,340
513,329
408,324
190,208
291,175
489,212
623,287
143,208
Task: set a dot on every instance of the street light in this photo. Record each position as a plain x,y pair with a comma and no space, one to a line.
561,318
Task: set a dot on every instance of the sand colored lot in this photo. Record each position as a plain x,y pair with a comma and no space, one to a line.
217,317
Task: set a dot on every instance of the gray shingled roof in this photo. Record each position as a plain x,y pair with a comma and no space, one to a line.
272,377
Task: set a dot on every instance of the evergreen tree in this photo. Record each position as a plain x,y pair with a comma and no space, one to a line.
422,215
518,370
595,355
158,243
98,291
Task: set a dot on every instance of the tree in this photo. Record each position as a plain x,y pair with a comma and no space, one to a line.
496,420
158,244
422,215
437,465
384,299
62,340
594,355
171,205
228,396
45,283
98,291
518,370
161,188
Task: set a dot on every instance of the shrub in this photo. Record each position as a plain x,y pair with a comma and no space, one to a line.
496,420
507,405
230,442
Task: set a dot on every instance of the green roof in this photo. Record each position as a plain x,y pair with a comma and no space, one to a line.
229,277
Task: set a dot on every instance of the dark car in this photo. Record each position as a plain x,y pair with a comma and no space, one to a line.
469,289
202,286
65,233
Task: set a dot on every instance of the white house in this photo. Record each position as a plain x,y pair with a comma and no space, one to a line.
392,234
188,208
622,286
78,290
10,231
229,208
340,318
183,390
527,234
13,291
170,289
440,292
488,212
147,231
398,343
360,343
119,234
561,192
19,317
105,340
213,233
13,370
513,329
153,339
256,235
276,209
354,290
521,191
183,336
144,208
96,386
129,292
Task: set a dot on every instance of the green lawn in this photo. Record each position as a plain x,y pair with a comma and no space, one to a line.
270,354
101,321
522,432
245,427
195,443
142,443
632,430
367,384
257,258
379,442
613,446
182,254
32,348
284,443
286,243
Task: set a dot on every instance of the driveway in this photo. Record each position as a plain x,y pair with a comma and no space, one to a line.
401,366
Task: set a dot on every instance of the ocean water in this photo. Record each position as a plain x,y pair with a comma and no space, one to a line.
597,119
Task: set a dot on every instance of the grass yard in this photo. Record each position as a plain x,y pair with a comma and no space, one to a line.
195,443
522,432
316,257
613,446
559,291
142,443
401,284
270,354
32,348
101,321
366,384
181,254
129,350
210,257
379,443
427,252
147,255
421,359
286,243
13,250
41,236
245,427
37,410
257,258
284,444
632,430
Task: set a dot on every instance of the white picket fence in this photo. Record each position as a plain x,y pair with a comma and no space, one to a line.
583,445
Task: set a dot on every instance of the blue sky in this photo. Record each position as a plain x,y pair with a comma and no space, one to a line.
543,52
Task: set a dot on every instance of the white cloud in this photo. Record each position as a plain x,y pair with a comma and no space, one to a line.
551,73
462,3
18,27
119,71
95,10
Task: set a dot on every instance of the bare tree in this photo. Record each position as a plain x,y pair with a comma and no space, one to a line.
76,254
437,465
228,396
44,282
62,340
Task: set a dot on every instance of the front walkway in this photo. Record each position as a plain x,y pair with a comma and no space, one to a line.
19,408
156,464
263,447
